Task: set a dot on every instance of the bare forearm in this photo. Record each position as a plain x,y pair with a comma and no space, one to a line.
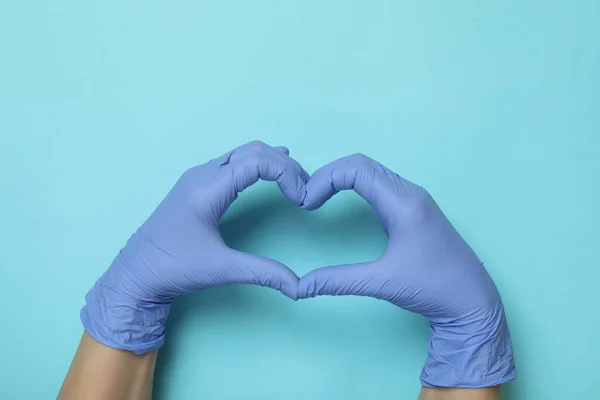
491,393
99,372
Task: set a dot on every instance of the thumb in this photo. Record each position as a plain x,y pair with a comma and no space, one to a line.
256,270
360,279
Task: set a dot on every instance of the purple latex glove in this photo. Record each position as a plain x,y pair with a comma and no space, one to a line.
179,249
427,268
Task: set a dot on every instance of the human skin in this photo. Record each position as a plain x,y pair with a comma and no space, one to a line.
100,372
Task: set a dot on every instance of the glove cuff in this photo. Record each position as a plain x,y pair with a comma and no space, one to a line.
470,355
120,321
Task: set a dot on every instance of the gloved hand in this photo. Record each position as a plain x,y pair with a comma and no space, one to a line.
427,269
179,249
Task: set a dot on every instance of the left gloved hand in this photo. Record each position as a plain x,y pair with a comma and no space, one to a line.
179,249
427,268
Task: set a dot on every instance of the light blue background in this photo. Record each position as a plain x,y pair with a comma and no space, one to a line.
493,106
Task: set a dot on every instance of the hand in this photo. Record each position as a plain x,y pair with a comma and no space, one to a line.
427,268
179,249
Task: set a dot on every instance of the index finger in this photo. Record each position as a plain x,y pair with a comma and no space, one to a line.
355,172
260,161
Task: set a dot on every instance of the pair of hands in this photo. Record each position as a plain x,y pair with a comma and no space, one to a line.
427,267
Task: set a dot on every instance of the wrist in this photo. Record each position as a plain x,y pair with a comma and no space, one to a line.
470,354
117,314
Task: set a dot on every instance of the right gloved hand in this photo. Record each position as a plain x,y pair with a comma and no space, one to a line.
179,249
427,268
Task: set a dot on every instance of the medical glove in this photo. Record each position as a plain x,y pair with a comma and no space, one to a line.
179,249
427,268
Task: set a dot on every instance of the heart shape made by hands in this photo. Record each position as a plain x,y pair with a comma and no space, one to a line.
427,267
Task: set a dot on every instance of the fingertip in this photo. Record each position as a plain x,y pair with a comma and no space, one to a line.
307,205
287,282
289,290
281,278
294,193
293,186
302,197
306,286
318,190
